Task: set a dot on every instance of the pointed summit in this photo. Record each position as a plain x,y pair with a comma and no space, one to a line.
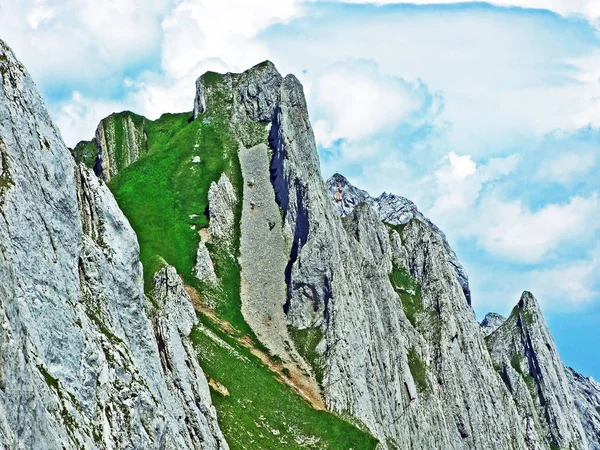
491,322
525,355
252,95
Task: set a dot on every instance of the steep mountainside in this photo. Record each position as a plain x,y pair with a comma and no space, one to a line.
82,363
310,314
543,389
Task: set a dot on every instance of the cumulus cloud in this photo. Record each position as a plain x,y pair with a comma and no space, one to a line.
81,43
459,181
353,101
78,118
565,286
566,167
39,14
514,232
203,29
591,8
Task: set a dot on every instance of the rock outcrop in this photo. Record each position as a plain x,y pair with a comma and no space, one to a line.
435,383
394,210
361,299
120,140
221,200
204,269
586,394
491,322
525,354
80,363
184,377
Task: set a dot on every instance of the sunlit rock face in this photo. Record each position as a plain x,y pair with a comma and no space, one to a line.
82,365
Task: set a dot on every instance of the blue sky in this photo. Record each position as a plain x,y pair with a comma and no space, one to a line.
487,116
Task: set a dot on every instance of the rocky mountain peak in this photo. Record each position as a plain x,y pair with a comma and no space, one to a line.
84,365
360,301
491,322
528,302
393,210
526,356
249,96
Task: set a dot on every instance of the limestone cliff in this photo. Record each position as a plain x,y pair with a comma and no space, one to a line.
121,140
544,391
359,302
426,384
82,364
372,284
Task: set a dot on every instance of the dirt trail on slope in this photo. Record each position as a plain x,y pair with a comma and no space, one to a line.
289,374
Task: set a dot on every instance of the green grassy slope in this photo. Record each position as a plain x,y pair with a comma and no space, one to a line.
165,197
261,412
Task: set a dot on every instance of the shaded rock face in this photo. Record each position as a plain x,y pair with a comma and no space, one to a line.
80,363
525,354
120,140
391,209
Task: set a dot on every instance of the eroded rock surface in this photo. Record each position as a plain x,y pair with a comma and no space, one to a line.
394,210
221,200
121,140
80,364
491,322
425,385
525,354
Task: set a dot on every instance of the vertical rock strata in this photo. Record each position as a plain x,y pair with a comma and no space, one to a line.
361,297
121,140
80,363
526,356
425,385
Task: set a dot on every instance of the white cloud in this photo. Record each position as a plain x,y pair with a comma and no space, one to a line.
566,167
204,29
467,203
39,14
567,285
574,282
70,40
458,184
507,77
591,8
353,101
78,118
513,232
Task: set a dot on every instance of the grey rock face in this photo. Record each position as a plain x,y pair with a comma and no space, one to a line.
250,96
391,209
184,377
422,386
491,322
121,140
204,269
526,356
80,365
221,200
586,393
263,253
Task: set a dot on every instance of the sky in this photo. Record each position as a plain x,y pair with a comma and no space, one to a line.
487,116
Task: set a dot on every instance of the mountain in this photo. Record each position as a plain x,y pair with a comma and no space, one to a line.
263,307
83,363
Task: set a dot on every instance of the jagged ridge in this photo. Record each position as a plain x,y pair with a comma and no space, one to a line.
361,302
